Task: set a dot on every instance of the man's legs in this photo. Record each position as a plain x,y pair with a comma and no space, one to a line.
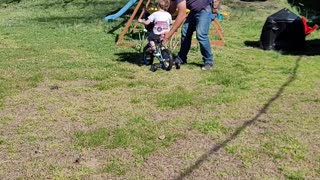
203,22
186,37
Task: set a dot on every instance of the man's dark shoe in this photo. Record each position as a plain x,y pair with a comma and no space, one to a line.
177,64
207,67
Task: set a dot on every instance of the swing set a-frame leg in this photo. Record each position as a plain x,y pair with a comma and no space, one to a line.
125,30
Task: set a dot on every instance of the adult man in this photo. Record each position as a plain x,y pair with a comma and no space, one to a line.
199,20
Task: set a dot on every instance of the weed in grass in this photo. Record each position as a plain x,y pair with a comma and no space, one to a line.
5,120
244,67
91,138
42,108
122,137
2,142
279,121
141,42
190,156
225,95
315,100
90,121
284,147
137,83
145,149
248,154
230,79
140,135
3,91
135,100
71,113
285,70
176,99
30,125
292,174
32,138
108,85
82,173
94,108
232,149
35,79
115,167
12,150
211,127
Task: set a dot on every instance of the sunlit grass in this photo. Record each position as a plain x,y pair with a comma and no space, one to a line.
66,89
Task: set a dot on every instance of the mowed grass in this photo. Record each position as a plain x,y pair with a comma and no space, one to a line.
74,106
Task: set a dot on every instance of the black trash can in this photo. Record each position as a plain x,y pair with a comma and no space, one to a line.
283,31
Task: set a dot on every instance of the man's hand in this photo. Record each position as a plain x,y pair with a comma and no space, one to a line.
140,20
167,37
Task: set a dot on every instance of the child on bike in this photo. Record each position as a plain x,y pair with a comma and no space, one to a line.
161,20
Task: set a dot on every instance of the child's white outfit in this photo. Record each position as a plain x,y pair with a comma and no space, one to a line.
161,21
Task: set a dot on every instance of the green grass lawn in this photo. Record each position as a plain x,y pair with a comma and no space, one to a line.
74,106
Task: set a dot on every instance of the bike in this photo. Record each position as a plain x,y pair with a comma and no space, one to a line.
165,58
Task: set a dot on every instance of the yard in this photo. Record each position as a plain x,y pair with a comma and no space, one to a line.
74,106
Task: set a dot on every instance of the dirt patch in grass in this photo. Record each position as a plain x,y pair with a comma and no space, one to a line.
38,126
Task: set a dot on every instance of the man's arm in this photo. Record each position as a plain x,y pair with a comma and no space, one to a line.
181,7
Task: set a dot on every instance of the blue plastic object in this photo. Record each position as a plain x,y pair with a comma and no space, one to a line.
121,11
220,17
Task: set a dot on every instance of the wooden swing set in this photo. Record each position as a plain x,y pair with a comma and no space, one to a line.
217,29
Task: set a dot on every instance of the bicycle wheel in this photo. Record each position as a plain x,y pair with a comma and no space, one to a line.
147,55
167,62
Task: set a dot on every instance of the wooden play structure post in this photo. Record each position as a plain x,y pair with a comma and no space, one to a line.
125,30
217,29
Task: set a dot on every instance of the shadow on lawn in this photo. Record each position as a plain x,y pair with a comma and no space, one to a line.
131,57
66,3
312,48
97,13
9,1
245,125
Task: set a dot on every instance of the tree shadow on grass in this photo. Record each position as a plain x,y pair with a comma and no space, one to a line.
66,3
312,48
244,126
93,11
9,1
66,20
117,26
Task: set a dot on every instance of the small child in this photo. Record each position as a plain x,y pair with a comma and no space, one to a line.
161,20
